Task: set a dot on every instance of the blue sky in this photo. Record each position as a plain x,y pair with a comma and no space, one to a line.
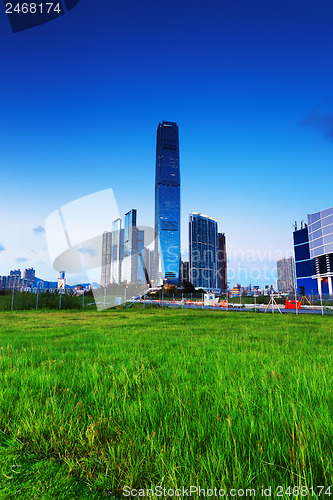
249,84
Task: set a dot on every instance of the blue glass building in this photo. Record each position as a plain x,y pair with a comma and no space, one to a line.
167,202
313,247
303,261
203,250
320,226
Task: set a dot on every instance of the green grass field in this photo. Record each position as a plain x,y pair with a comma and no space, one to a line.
91,402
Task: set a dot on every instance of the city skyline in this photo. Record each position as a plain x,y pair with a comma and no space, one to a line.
249,86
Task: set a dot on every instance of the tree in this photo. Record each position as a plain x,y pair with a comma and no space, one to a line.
188,287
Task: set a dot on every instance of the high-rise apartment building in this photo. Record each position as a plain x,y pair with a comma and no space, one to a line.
167,202
29,275
203,250
286,275
16,272
14,280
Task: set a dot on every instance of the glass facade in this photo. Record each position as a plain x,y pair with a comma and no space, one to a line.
203,250
303,262
167,202
320,226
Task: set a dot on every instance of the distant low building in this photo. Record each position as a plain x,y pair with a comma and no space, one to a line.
237,290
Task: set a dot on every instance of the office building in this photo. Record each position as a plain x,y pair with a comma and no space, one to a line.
222,262
203,251
185,271
313,247
286,275
303,264
167,202
320,228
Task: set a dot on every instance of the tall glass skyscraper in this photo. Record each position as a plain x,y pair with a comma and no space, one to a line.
203,250
167,202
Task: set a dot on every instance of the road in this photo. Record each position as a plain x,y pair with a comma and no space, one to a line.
261,308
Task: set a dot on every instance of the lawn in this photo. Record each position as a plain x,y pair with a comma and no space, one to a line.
92,402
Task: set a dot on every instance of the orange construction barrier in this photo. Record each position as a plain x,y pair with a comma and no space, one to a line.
293,304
